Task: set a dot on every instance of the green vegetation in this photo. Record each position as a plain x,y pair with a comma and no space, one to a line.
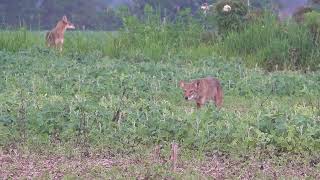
271,44
15,41
232,20
89,101
50,95
264,41
116,94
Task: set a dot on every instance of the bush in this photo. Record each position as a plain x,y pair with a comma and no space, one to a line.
230,20
312,21
155,38
272,45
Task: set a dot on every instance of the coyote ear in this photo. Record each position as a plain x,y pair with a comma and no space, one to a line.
64,18
181,84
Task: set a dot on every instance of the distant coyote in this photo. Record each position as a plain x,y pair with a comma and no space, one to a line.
203,90
55,37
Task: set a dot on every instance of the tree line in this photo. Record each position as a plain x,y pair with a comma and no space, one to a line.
93,14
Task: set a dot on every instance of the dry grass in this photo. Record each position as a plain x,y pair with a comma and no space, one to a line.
218,165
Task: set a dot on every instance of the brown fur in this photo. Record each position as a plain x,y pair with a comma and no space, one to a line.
203,90
55,37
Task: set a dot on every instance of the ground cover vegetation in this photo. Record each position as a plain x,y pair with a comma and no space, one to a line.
110,102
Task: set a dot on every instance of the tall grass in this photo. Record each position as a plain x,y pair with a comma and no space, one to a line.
271,44
157,38
266,42
16,40
88,41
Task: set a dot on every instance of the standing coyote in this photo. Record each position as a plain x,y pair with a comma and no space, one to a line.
203,90
55,37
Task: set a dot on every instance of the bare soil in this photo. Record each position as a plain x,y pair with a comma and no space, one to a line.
16,165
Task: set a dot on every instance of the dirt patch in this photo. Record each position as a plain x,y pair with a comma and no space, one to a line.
251,168
29,166
17,165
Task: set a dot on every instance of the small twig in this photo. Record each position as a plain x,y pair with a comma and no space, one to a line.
117,114
271,92
174,155
265,100
157,153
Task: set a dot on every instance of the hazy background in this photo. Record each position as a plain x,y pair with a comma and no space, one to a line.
100,14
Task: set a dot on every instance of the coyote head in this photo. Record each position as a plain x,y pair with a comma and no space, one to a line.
190,89
66,24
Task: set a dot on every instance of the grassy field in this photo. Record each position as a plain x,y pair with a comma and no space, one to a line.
109,105
93,107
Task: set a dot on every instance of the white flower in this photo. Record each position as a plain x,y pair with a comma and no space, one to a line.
226,8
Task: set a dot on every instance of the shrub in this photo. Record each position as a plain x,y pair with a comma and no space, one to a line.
154,38
273,45
312,21
230,20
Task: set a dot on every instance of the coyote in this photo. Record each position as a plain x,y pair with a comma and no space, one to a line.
203,90
55,37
